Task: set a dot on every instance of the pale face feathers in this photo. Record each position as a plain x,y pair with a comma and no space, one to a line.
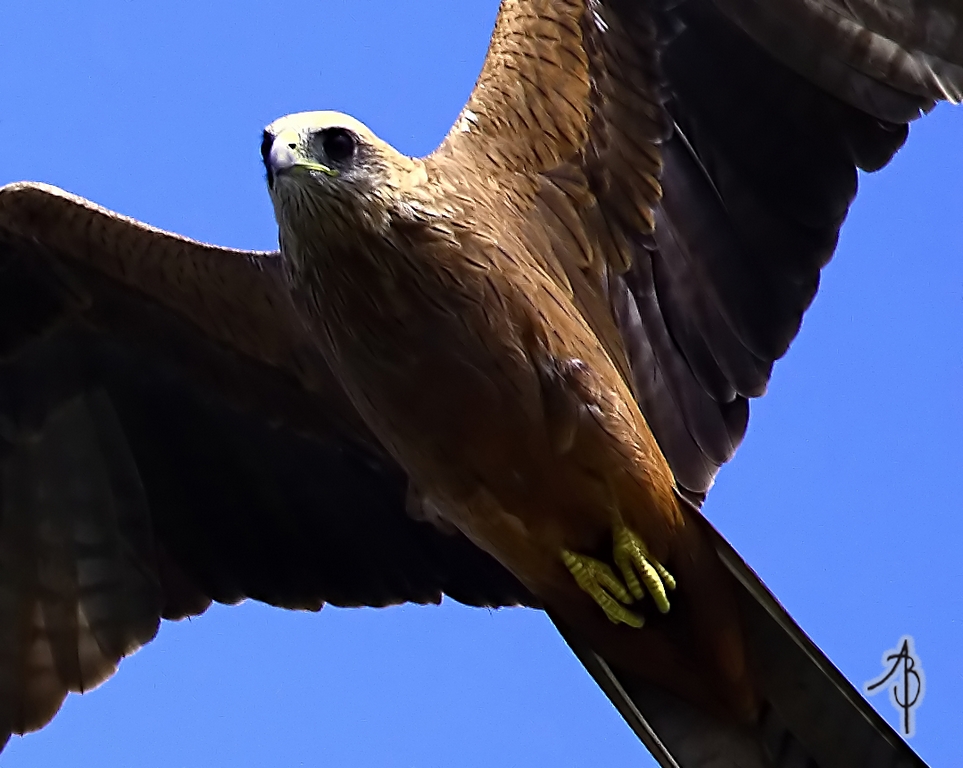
332,180
331,159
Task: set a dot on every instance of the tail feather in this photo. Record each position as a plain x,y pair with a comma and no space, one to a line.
678,734
609,682
811,717
806,691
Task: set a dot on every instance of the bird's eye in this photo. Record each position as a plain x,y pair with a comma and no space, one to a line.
338,144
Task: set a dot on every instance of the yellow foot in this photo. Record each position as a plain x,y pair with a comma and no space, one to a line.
602,585
632,557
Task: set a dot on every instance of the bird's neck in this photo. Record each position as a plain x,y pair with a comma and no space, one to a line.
351,273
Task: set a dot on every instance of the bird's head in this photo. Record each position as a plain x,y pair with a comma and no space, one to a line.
329,176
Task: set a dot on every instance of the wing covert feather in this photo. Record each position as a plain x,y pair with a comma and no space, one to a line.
693,201
167,438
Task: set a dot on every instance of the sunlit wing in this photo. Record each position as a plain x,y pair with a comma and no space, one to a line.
168,437
689,165
700,227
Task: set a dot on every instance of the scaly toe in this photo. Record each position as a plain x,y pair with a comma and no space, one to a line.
602,585
633,559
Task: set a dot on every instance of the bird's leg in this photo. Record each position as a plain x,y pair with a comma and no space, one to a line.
634,561
602,585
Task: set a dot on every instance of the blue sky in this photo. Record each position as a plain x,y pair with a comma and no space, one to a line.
843,497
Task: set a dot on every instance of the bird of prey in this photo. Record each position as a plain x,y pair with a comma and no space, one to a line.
507,372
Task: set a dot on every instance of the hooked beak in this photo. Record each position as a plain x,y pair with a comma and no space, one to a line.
284,154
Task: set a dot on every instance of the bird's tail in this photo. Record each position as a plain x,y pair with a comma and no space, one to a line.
811,716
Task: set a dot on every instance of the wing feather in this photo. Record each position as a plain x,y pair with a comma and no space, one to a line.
887,58
688,164
168,438
703,177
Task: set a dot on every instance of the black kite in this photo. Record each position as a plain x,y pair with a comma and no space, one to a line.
542,338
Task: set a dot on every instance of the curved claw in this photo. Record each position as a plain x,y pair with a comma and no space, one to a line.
602,585
632,557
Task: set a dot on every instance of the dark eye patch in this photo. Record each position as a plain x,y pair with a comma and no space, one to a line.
338,144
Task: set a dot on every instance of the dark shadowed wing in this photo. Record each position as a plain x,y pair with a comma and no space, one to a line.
692,162
169,438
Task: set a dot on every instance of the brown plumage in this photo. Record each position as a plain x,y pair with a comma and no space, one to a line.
545,330
477,372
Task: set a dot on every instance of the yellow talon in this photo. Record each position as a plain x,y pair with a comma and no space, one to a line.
632,556
602,585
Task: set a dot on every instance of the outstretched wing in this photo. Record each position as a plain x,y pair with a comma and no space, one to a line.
168,437
692,163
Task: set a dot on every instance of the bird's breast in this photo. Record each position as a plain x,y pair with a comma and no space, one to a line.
428,348
449,358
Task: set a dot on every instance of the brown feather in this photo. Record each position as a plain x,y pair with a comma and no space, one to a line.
497,324
195,471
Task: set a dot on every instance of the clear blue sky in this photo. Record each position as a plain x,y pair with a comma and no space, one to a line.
843,496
